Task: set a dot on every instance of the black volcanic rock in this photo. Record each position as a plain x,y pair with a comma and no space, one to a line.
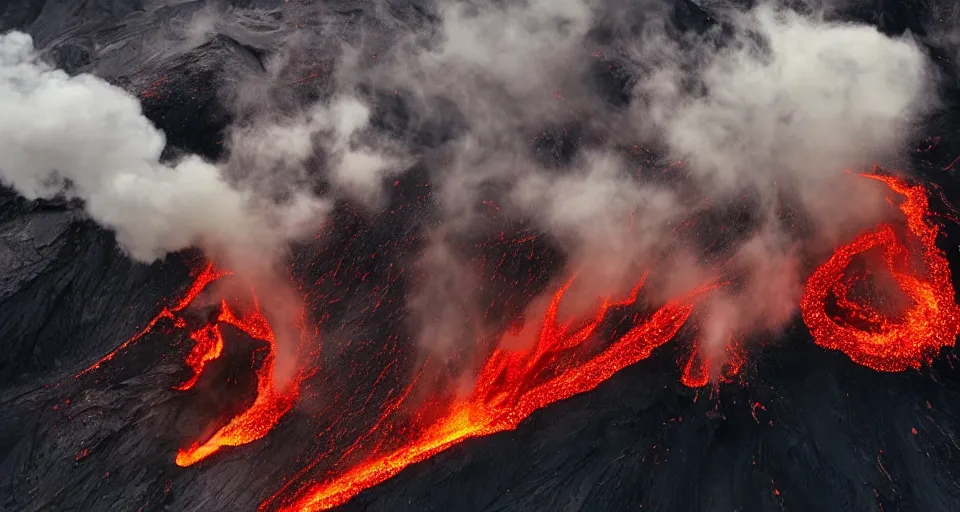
806,430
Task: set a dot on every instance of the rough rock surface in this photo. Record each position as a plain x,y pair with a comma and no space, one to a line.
810,431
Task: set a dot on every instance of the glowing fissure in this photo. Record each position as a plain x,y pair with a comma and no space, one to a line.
203,279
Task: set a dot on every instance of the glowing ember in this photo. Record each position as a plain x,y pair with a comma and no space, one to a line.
866,334
510,387
734,362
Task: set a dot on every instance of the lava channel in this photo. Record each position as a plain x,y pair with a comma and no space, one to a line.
510,386
867,334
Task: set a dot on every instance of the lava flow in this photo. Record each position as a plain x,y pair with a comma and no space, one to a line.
510,386
269,406
696,371
872,337
208,345
203,279
565,360
270,403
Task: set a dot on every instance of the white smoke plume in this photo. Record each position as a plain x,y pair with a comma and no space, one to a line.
80,137
812,98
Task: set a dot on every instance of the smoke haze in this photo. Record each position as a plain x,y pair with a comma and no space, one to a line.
767,105
773,106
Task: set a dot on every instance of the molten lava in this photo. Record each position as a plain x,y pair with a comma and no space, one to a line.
567,359
866,333
203,279
510,386
270,403
208,345
696,371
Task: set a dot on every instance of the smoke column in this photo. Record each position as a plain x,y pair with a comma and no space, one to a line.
79,137
782,118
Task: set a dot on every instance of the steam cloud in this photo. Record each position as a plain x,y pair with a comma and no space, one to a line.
774,108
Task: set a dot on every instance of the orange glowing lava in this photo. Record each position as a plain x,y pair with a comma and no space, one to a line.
208,345
567,358
203,279
867,335
510,387
270,403
696,371
513,384
267,409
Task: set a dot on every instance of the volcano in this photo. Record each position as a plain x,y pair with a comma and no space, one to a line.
551,279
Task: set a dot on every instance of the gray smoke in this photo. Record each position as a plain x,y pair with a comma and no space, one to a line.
775,107
779,110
